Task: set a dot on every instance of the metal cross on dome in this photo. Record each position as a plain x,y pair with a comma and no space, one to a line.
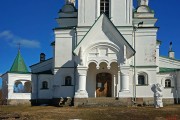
70,2
19,45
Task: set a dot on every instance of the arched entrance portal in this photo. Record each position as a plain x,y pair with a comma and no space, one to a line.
104,85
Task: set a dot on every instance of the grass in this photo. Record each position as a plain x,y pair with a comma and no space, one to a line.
89,113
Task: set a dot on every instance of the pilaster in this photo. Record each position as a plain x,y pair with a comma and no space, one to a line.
125,78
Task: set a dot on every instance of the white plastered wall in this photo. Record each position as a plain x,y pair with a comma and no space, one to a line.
120,12
37,91
59,88
63,48
12,78
178,84
145,43
171,91
145,90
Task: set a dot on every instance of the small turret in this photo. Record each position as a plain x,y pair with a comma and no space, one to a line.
171,52
144,13
143,6
68,15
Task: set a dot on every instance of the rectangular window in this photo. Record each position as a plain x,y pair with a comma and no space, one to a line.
167,83
68,81
104,7
141,80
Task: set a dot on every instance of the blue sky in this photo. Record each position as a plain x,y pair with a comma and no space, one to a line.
30,22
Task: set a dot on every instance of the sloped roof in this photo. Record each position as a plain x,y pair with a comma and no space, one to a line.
166,70
19,64
170,58
104,24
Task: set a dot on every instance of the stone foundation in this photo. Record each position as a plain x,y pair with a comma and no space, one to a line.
41,102
25,102
145,101
102,101
150,101
54,102
169,101
119,101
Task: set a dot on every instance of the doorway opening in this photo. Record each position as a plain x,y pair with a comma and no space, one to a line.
104,85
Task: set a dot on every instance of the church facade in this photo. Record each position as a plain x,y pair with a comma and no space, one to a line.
103,49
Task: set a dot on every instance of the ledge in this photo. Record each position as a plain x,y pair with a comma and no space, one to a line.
143,85
67,85
168,87
44,88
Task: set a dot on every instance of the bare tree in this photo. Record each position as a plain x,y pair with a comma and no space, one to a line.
0,96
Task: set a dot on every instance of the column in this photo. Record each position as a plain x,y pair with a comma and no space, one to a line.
116,90
119,81
124,78
124,82
81,79
82,82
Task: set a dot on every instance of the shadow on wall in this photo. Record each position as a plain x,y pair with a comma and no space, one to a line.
22,86
173,88
1,97
63,85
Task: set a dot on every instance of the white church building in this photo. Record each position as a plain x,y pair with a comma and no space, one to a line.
105,49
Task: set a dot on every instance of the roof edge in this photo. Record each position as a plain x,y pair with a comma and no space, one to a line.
41,62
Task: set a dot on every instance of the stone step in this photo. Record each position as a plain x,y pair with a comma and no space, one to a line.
102,102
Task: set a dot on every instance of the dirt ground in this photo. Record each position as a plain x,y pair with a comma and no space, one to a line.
89,113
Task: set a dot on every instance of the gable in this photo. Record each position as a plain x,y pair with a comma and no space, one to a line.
103,30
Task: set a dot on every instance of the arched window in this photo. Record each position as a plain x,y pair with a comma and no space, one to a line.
104,7
44,85
27,87
18,87
167,83
142,79
68,81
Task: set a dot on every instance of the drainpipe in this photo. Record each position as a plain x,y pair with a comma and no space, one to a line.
74,79
37,93
134,85
75,38
134,31
75,44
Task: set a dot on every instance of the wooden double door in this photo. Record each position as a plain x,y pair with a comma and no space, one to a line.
104,85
